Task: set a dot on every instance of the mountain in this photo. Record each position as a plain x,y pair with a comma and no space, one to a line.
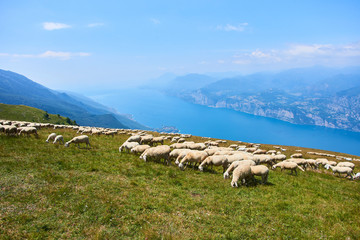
18,90
312,96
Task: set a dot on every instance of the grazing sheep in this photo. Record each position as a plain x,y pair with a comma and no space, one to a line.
332,163
289,166
146,139
182,155
10,130
175,139
28,131
217,160
196,146
135,138
346,164
299,161
322,161
78,140
341,170
181,140
357,175
233,146
311,163
242,173
58,139
211,151
157,140
239,157
51,137
157,153
252,149
297,155
260,170
235,165
139,149
193,156
260,151
127,146
178,145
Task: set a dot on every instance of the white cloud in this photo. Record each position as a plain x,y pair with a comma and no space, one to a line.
49,54
228,27
54,26
155,21
91,25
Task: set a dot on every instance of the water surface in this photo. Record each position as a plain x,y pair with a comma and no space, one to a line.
156,109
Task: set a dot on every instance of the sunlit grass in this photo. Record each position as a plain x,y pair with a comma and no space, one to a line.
49,191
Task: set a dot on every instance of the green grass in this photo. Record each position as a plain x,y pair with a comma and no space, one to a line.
49,191
31,114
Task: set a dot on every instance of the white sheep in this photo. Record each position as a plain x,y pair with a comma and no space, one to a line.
127,146
157,140
58,139
217,160
238,157
357,175
322,161
139,149
51,137
297,155
196,146
79,139
242,173
135,138
311,163
260,151
178,154
157,153
193,156
260,170
346,164
289,166
28,131
341,170
235,164
299,161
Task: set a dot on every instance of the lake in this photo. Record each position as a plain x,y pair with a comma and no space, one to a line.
155,109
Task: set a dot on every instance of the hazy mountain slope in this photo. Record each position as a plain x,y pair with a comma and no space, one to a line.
17,89
313,96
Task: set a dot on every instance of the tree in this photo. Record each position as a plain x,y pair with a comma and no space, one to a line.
46,116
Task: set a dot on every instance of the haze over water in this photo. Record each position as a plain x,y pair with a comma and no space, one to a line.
156,109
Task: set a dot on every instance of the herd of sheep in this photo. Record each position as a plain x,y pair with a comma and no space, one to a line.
243,162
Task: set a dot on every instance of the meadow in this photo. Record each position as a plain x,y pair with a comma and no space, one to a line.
49,191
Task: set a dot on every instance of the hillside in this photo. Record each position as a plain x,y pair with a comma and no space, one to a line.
311,96
49,191
16,89
30,114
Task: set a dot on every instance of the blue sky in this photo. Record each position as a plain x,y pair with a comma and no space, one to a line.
113,44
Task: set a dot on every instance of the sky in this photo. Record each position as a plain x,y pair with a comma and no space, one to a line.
71,45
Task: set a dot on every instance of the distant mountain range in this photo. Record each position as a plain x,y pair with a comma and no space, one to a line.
312,96
17,89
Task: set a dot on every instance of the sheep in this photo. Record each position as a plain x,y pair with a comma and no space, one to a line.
178,145
156,140
135,138
58,139
217,160
196,146
235,164
278,157
262,171
299,161
341,170
252,149
193,156
346,164
332,163
127,146
322,161
357,175
51,137
182,154
238,157
157,153
260,151
175,139
139,149
297,155
242,172
288,165
233,146
28,131
181,140
311,163
78,140
211,151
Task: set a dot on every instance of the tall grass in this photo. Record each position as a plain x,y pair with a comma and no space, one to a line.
49,191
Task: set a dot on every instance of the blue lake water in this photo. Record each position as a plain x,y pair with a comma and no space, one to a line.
155,109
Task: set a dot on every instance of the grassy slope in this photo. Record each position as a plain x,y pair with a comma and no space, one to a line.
49,191
30,114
